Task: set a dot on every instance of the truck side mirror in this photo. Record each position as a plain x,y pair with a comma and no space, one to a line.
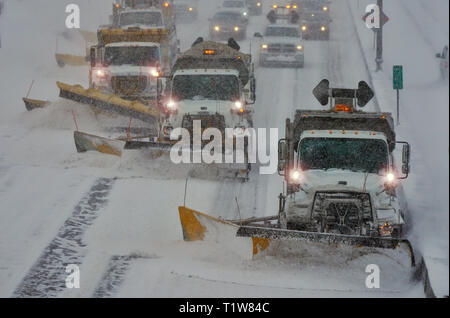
92,56
258,35
438,55
282,157
406,153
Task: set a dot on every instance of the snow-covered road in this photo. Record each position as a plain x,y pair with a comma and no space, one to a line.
132,246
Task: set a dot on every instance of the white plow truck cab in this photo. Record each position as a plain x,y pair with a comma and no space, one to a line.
205,94
211,82
129,70
340,170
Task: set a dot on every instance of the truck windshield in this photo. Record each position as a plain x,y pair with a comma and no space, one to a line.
199,87
145,56
282,31
362,155
145,18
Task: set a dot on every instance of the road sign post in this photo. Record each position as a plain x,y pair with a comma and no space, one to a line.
397,79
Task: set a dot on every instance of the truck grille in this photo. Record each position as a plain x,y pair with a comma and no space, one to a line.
128,85
342,212
207,121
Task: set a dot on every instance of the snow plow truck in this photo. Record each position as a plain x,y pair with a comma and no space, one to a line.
341,185
211,86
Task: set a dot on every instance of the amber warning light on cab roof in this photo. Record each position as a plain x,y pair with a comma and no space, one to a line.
209,52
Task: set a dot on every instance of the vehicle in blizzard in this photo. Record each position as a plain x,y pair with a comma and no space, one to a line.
227,24
238,6
315,26
185,10
281,46
211,82
142,19
443,62
340,170
314,5
255,7
128,62
142,13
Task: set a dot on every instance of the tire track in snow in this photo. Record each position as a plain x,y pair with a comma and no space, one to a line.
46,278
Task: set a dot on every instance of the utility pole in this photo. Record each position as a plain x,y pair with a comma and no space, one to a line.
379,58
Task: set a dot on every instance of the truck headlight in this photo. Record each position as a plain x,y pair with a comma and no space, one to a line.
245,14
299,47
304,28
258,4
100,73
323,28
264,46
295,176
236,28
390,178
171,105
325,8
191,9
238,105
217,28
154,73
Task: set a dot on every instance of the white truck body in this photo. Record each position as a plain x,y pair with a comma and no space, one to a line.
201,107
385,208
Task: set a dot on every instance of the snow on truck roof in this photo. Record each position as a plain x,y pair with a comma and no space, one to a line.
214,55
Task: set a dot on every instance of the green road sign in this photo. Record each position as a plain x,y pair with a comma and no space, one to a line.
398,77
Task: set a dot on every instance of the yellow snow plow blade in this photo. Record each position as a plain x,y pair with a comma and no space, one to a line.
31,104
87,142
199,226
110,103
69,59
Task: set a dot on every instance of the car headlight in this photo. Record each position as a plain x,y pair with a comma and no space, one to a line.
323,28
299,47
217,28
236,28
304,28
264,46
